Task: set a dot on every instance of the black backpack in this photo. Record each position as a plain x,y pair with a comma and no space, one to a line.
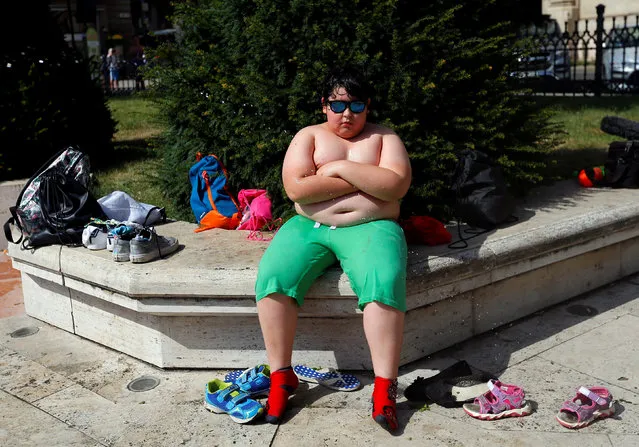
481,195
55,204
622,165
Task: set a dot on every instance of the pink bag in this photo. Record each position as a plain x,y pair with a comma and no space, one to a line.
256,209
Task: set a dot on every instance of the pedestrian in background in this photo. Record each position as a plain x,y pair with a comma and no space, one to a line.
113,63
138,60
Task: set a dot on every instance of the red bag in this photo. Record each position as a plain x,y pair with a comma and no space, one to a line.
425,230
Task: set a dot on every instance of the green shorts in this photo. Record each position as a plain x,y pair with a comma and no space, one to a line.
373,256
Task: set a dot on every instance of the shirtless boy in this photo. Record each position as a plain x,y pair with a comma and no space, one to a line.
346,177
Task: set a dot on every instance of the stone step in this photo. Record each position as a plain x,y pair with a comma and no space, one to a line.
196,309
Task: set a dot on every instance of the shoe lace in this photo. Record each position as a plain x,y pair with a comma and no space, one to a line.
154,236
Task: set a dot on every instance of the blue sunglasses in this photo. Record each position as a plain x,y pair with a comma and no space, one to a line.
340,106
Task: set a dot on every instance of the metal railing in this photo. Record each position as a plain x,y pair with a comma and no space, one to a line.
129,80
588,57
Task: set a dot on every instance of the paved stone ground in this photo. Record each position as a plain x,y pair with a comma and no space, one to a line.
58,389
10,289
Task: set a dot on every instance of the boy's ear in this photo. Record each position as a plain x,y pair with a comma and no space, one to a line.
324,104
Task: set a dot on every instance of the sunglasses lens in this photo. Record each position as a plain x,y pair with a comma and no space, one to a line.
358,106
337,106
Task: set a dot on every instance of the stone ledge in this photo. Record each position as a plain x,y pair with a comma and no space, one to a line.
568,241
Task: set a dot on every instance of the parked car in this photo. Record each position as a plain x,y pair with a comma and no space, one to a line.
550,59
620,59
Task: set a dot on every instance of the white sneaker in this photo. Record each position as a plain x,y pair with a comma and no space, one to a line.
94,237
147,246
121,249
119,238
110,241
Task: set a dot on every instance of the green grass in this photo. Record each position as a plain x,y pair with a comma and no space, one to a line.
585,145
138,118
136,163
582,117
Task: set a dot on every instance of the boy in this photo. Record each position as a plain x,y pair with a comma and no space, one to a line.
346,177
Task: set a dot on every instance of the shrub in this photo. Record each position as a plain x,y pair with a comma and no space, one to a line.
48,99
243,78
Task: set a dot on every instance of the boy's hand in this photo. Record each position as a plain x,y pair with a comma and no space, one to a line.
332,169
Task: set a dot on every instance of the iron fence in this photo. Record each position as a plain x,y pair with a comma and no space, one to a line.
588,57
129,79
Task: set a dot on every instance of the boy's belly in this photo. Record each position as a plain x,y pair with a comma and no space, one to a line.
348,210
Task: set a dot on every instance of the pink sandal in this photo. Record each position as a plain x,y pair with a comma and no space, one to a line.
590,404
500,401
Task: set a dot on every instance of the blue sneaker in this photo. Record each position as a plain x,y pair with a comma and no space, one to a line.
254,381
222,397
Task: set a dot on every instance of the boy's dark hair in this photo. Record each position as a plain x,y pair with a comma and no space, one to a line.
351,79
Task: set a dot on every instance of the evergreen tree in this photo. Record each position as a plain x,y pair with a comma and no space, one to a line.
243,78
48,98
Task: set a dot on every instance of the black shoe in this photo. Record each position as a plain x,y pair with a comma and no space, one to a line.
416,392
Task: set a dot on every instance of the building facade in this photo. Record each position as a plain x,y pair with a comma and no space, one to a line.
571,12
93,26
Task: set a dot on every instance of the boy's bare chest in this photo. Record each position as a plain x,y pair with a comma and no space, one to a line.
330,148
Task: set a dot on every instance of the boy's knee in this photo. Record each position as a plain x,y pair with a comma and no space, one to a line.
393,304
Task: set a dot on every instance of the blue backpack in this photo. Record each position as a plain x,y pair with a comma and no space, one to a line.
212,203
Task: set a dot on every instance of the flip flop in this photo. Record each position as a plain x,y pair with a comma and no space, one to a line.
328,377
232,376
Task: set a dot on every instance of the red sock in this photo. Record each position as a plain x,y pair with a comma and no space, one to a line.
384,407
283,383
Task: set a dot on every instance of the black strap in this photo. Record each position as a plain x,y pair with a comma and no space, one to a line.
13,220
475,232
7,231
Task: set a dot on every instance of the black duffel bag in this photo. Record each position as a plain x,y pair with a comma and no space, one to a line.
622,165
67,206
482,197
55,204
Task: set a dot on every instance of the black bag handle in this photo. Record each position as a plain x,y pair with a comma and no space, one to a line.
13,220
